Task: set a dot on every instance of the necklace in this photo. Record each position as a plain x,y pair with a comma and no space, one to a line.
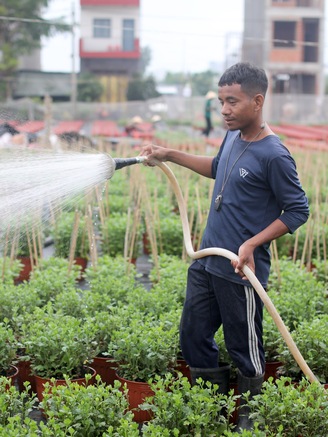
219,197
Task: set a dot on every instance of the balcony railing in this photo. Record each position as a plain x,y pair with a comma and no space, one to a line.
110,3
92,48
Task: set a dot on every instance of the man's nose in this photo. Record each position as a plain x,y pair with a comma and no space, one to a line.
225,109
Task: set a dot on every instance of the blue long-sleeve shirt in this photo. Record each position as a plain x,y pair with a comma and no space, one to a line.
262,186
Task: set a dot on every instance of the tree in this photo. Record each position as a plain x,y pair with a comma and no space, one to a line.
200,82
203,82
21,29
145,59
176,78
89,89
140,88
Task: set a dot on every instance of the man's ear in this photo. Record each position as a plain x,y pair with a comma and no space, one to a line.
258,102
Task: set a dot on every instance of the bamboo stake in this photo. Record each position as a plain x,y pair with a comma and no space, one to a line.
126,237
100,206
275,259
306,241
13,247
311,240
92,240
73,240
40,246
106,205
5,249
35,247
295,245
29,248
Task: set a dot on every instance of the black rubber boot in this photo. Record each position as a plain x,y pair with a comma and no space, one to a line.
253,385
217,375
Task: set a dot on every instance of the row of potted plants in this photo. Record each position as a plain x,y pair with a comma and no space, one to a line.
52,283
59,299
124,209
176,408
106,318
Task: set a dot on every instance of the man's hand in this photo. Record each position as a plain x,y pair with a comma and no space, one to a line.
246,257
153,152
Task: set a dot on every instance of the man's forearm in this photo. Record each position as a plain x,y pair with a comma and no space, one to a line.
199,164
273,231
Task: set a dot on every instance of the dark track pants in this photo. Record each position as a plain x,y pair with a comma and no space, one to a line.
211,302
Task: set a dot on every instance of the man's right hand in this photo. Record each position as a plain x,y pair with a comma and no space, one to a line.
153,152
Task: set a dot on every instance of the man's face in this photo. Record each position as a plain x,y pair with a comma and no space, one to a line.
237,107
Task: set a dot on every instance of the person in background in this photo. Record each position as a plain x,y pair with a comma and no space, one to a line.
210,96
257,198
133,125
11,137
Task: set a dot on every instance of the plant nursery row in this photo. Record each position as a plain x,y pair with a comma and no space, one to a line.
80,333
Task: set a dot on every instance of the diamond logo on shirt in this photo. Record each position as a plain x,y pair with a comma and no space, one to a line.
243,173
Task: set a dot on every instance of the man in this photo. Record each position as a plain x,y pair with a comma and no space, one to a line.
208,112
257,198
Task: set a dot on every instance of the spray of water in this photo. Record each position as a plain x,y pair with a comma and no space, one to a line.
31,182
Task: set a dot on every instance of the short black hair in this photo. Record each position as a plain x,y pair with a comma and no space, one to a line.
252,79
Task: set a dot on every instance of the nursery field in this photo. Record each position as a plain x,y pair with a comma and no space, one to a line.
80,330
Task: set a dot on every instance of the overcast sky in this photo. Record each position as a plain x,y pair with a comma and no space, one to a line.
183,35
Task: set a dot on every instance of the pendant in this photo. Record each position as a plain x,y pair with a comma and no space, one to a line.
218,202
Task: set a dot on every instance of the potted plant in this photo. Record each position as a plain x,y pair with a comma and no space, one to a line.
115,230
102,325
113,276
170,274
310,337
307,298
17,302
287,409
92,410
183,409
272,341
142,351
169,235
63,235
51,277
14,404
158,300
9,269
60,350
8,348
29,247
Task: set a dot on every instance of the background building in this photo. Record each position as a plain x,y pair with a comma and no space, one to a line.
286,37
109,43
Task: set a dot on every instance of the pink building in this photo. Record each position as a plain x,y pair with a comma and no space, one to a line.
109,44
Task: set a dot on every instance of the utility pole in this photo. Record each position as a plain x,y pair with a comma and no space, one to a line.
73,73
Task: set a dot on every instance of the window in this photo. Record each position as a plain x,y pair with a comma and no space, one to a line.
284,33
128,35
311,39
101,28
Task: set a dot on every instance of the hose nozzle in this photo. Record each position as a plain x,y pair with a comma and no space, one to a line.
124,162
113,164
